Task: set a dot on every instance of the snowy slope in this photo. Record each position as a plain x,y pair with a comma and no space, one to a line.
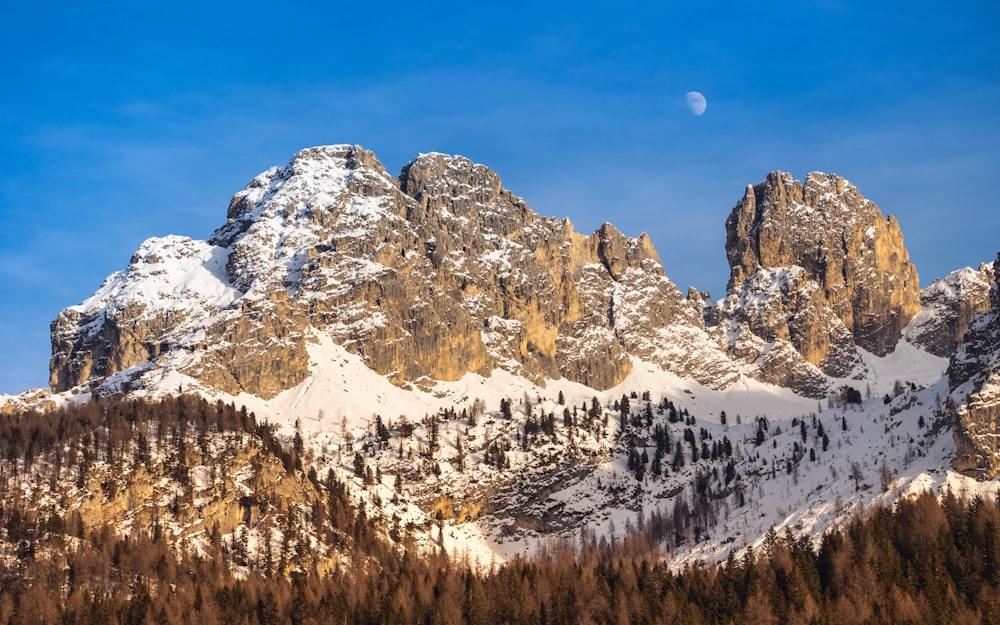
576,482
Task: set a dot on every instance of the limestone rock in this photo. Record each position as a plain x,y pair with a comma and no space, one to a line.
947,308
974,377
843,274
36,399
427,277
785,304
443,271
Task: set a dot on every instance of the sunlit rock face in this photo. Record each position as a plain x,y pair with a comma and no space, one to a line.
818,265
974,376
442,271
947,307
428,276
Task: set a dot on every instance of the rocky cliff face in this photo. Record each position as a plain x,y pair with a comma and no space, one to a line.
432,275
775,320
947,307
818,266
443,271
974,376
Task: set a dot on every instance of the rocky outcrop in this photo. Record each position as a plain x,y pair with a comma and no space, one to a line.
171,287
974,376
784,307
36,399
443,271
947,307
817,265
427,277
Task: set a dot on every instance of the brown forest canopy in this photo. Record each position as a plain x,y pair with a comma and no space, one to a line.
924,561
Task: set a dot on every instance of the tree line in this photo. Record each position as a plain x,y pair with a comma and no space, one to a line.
924,560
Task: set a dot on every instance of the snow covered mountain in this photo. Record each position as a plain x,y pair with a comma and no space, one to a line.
488,379
947,306
429,277
443,272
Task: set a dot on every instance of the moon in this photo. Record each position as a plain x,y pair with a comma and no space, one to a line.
696,102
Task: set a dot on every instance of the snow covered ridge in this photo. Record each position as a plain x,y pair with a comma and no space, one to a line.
163,272
947,307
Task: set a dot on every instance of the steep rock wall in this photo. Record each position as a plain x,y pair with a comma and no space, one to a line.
838,271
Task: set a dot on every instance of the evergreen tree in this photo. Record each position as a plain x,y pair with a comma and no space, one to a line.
359,465
505,410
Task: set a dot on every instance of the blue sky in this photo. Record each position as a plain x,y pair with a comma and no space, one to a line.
125,120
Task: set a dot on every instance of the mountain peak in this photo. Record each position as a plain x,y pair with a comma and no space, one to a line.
841,239
443,271
453,192
427,277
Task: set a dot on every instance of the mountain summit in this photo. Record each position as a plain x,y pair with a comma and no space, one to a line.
428,276
853,254
814,267
442,271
